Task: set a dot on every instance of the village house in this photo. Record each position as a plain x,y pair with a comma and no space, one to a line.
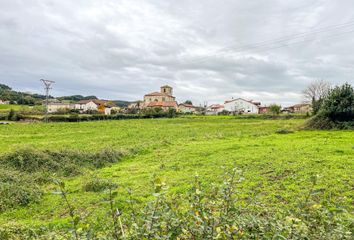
136,105
187,108
240,105
163,99
214,109
56,106
300,108
263,110
101,106
4,102
86,105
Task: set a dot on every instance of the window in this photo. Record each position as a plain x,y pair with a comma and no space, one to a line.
163,99
164,90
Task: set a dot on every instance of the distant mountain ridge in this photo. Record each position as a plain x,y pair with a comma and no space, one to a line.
25,98
76,98
121,103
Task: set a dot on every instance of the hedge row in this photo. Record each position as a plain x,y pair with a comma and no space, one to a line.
81,118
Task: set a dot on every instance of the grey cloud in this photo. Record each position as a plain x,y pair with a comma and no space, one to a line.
123,49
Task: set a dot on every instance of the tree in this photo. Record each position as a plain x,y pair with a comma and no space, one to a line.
4,87
12,115
171,113
274,108
339,104
188,102
315,93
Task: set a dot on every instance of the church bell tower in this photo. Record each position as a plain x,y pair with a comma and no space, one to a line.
167,90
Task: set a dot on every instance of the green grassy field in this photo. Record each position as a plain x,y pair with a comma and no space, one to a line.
7,107
276,167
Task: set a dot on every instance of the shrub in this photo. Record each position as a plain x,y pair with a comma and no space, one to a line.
11,115
97,185
171,113
337,110
14,116
284,131
339,104
17,189
224,113
274,108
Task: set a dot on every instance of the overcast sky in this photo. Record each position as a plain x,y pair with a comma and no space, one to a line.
208,50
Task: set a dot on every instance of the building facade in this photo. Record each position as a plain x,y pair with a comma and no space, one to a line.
301,108
57,106
214,109
86,105
241,105
186,108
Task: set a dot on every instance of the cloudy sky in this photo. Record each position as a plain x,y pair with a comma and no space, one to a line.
208,50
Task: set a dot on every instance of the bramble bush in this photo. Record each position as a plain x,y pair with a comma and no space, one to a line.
17,189
97,185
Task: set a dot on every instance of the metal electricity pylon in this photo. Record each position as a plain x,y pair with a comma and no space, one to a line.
47,84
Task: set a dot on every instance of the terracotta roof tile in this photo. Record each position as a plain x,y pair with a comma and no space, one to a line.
187,105
163,104
158,94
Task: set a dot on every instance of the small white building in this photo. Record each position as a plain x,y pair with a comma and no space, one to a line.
86,105
108,110
241,105
214,109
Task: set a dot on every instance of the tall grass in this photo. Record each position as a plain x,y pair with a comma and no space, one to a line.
199,214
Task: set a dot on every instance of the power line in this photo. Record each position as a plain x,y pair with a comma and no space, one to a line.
281,40
47,87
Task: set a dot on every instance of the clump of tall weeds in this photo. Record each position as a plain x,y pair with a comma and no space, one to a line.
61,162
17,189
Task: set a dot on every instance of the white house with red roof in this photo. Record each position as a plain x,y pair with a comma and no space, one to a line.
241,105
86,105
214,109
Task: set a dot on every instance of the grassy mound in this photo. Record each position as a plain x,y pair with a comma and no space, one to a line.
62,162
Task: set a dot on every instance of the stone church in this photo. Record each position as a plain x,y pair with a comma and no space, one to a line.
163,99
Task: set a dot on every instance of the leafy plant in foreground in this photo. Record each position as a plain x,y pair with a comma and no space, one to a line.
216,213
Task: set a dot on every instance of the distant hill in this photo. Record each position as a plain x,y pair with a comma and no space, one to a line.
23,98
121,103
76,98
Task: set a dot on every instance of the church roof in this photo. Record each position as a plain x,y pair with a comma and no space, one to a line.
158,94
163,104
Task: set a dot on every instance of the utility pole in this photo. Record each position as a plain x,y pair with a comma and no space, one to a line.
47,84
